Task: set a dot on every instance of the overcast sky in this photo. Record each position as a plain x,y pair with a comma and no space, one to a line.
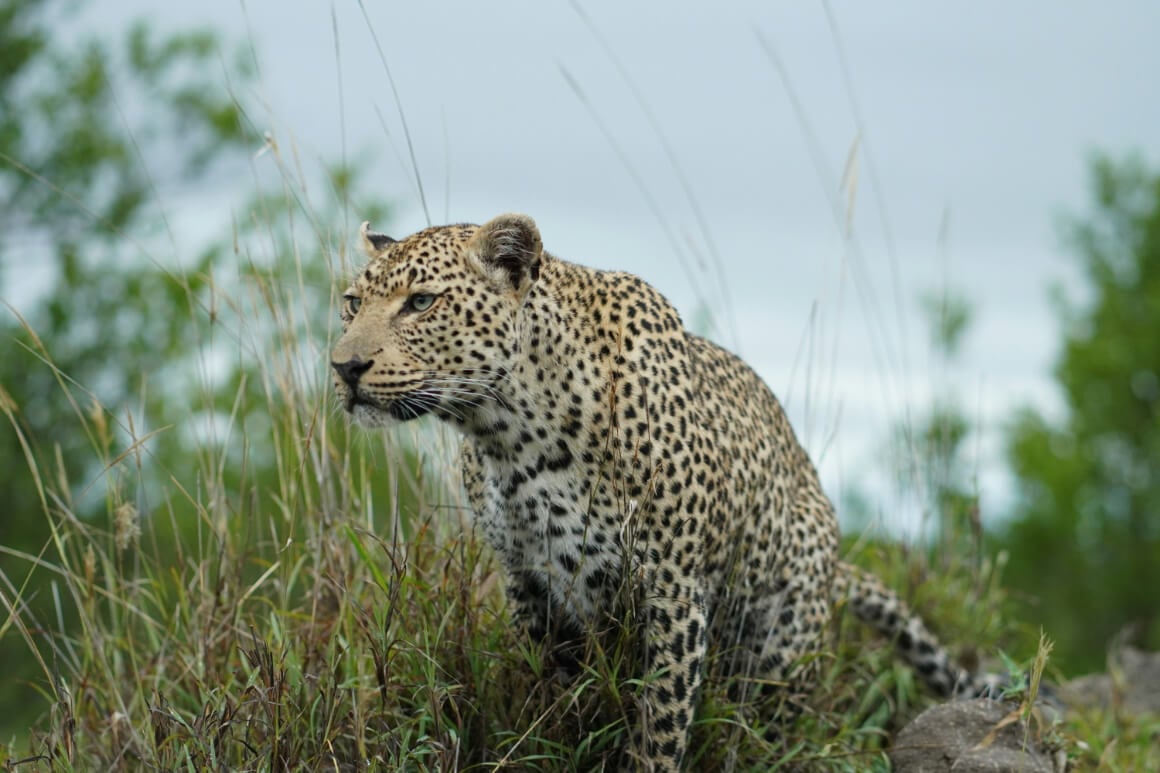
970,125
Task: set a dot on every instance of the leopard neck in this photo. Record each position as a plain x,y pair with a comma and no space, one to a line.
549,395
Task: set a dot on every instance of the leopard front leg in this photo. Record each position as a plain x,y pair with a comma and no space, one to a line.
674,628
532,609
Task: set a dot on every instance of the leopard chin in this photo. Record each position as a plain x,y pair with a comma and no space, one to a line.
370,416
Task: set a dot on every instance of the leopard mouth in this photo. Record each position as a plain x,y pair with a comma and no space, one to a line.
402,408
410,406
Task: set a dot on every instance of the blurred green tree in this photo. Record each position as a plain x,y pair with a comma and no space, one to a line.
1084,537
125,355
951,574
81,126
926,451
933,449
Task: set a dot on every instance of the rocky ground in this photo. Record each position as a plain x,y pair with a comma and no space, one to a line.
985,736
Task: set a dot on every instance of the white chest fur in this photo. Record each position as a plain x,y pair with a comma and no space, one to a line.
542,522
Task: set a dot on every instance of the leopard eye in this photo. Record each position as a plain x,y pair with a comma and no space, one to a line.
353,302
420,301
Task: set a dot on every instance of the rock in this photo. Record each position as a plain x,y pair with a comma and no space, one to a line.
1134,683
978,736
1141,680
1088,691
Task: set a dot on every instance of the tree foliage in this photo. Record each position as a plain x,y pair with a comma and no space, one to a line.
130,357
1085,535
85,131
926,452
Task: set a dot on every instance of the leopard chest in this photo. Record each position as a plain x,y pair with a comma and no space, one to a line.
555,526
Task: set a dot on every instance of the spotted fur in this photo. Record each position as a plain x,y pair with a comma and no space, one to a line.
605,445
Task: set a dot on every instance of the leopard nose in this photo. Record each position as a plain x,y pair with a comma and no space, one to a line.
351,370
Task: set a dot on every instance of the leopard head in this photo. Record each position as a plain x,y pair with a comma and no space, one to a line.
430,325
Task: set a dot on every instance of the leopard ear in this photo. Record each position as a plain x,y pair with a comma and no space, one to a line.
509,249
373,243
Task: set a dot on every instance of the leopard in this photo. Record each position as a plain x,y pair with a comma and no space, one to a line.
604,446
